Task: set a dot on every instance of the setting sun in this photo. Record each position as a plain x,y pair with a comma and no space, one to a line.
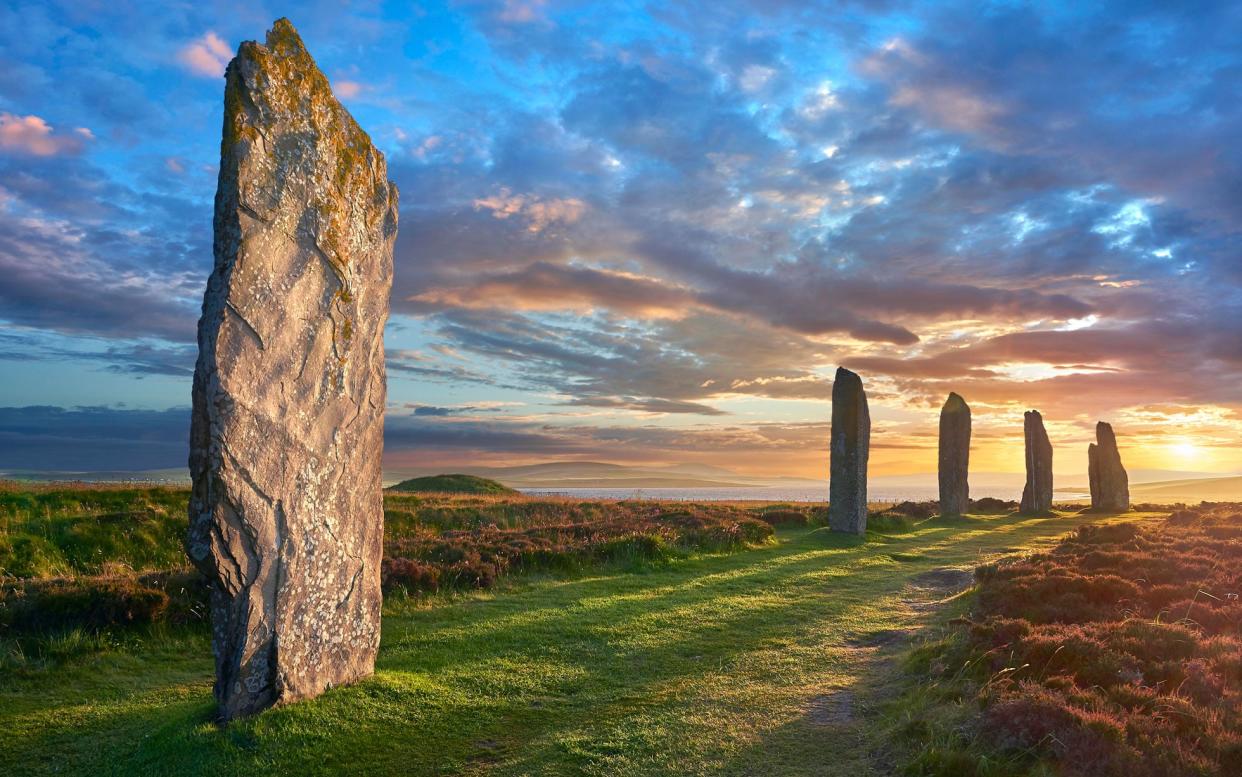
1184,451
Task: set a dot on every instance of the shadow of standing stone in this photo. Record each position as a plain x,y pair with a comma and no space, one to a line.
851,441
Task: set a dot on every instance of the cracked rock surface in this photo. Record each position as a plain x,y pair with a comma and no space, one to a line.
286,437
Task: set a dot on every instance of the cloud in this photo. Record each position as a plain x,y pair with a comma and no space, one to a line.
539,213
93,438
522,11
655,406
548,286
348,89
54,281
458,410
206,56
32,135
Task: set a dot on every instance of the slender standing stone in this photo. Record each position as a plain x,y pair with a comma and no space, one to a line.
1110,485
1037,495
954,456
286,512
1093,474
851,442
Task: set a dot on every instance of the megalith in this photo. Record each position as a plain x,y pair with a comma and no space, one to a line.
851,441
954,456
1037,495
286,436
1110,485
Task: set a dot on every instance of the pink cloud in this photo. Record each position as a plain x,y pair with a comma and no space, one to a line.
206,56
32,135
522,11
348,89
539,213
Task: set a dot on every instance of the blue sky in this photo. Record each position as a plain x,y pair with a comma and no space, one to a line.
648,233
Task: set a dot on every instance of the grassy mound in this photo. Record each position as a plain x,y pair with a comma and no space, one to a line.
451,484
1118,652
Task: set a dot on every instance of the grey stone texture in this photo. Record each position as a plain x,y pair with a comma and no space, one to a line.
286,512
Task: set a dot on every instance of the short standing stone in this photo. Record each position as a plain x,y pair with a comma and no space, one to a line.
851,441
1037,495
286,512
1110,485
954,456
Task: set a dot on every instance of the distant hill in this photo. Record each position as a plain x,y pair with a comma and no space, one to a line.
594,474
452,484
1193,491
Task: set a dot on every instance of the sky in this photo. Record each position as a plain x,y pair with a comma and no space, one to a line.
648,233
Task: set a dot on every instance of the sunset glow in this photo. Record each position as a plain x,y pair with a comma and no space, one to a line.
651,237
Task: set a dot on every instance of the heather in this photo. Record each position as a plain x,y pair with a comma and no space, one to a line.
1116,652
771,658
87,557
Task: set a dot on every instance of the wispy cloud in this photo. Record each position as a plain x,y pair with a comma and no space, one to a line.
206,56
538,212
33,135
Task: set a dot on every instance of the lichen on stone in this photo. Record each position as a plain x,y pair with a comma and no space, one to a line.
289,392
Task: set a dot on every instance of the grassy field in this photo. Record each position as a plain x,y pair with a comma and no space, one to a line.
769,660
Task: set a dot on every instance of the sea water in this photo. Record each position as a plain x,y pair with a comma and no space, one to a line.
774,494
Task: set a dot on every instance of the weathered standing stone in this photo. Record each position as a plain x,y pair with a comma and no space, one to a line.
954,456
1037,495
1110,485
851,442
286,513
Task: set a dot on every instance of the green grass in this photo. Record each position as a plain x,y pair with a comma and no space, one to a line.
452,484
68,530
756,662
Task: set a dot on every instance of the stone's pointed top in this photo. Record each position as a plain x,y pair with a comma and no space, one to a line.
1104,433
283,38
1033,414
846,375
955,403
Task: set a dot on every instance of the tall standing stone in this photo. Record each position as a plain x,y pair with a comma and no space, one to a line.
1110,485
851,442
954,456
286,512
1037,495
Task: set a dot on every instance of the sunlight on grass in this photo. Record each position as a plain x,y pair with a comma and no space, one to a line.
706,664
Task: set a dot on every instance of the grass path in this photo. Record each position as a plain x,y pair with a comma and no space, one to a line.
759,662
